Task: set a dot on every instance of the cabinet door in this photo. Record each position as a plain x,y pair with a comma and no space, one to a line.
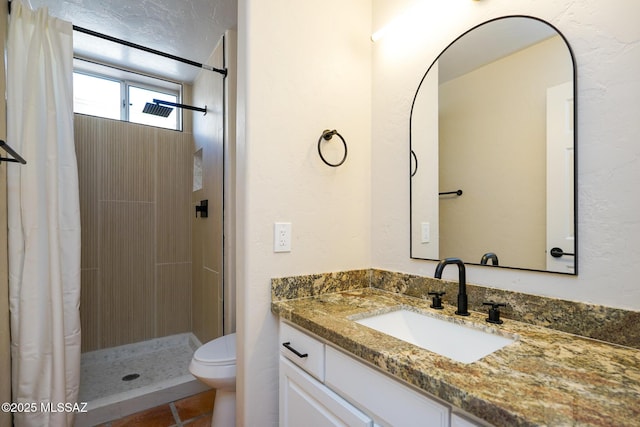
307,402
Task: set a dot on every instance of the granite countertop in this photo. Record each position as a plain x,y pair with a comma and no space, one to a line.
545,377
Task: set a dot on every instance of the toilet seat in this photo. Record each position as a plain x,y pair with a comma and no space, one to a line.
218,352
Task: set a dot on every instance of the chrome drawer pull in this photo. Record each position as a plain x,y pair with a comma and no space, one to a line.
296,352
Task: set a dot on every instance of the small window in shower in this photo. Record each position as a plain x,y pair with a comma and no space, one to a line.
103,91
96,96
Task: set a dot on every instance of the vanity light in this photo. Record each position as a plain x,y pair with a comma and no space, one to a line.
415,16
404,20
392,26
379,34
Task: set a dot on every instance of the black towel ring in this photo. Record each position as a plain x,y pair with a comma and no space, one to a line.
327,135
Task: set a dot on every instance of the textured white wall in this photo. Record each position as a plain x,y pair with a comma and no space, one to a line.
303,67
605,38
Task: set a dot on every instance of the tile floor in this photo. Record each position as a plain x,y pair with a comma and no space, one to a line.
192,411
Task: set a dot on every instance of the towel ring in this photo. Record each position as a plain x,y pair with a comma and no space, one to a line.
327,135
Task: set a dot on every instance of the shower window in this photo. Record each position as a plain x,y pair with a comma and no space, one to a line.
96,96
121,95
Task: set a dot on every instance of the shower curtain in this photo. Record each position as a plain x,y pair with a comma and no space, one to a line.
44,218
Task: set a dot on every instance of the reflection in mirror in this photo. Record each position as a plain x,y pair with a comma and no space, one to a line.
494,117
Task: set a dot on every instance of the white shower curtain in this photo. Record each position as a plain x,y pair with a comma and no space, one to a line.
44,217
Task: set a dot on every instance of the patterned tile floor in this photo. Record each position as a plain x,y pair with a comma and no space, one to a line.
192,411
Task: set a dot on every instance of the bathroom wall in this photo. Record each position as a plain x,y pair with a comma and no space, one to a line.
303,67
5,352
135,206
605,39
208,135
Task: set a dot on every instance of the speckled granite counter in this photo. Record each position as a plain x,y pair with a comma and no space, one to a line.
546,377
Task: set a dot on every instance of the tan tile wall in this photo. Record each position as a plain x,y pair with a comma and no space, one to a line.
208,261
135,195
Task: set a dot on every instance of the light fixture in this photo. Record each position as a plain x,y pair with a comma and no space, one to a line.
379,34
404,20
417,16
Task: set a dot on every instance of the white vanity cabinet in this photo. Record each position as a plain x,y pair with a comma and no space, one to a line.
304,400
323,386
388,401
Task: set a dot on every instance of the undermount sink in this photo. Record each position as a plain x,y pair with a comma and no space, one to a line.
456,341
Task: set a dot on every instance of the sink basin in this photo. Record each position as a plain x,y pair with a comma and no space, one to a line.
456,341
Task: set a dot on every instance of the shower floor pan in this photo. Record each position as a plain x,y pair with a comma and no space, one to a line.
119,381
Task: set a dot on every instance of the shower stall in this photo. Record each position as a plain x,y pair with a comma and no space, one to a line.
152,267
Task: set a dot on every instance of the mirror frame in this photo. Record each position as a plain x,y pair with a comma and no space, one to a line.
414,160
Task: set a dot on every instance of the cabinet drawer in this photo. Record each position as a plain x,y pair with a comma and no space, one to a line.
303,350
388,401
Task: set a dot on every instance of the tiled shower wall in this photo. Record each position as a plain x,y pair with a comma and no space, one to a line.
207,245
135,206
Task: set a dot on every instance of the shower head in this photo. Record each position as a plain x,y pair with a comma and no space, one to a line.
160,110
157,110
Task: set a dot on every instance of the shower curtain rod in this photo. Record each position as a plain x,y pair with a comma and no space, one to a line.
146,49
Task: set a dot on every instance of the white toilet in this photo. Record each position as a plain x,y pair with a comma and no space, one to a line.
214,364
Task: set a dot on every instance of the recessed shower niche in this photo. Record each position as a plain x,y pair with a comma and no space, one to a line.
197,170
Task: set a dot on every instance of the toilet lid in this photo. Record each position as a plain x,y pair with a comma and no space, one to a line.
221,351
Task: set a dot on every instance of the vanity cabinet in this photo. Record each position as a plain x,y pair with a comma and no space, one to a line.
304,399
323,386
387,400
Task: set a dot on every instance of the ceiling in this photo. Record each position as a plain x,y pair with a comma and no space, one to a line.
187,28
489,42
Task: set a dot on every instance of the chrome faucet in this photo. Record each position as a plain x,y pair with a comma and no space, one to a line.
462,287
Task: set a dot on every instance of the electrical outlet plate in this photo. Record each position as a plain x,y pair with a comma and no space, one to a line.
282,237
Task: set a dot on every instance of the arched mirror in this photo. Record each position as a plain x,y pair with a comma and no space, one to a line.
493,150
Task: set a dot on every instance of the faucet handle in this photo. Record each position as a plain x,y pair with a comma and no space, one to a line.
436,301
494,311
